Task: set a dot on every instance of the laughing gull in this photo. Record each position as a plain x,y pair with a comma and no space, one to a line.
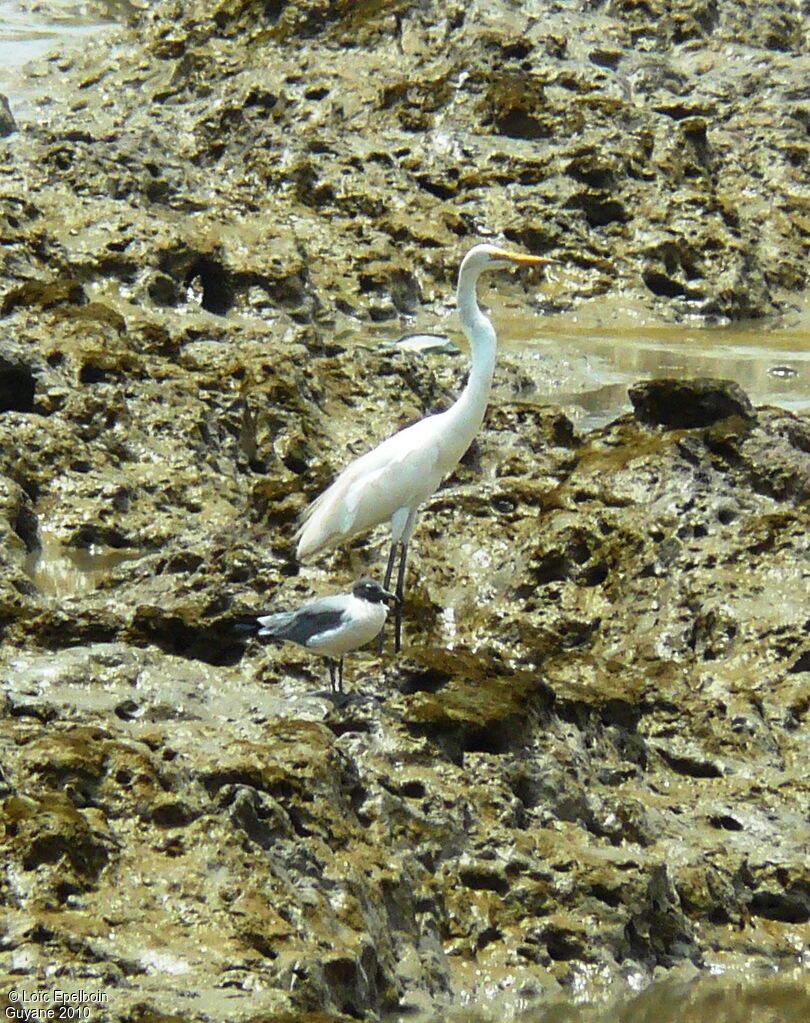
333,626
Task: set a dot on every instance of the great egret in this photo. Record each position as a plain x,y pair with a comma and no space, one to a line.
393,479
332,626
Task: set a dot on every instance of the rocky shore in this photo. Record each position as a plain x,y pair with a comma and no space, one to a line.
589,766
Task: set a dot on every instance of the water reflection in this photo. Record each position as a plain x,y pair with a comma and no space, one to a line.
771,368
60,571
591,358
29,32
585,361
705,999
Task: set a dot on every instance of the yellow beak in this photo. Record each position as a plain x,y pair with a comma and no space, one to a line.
524,260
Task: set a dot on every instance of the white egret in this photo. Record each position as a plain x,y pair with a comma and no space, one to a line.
391,481
332,626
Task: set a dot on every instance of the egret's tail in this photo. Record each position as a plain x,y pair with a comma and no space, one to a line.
309,542
317,530
333,518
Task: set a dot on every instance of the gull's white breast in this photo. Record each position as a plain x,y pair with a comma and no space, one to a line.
361,622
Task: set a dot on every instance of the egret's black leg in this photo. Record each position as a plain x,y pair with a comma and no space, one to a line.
389,571
340,675
331,664
400,593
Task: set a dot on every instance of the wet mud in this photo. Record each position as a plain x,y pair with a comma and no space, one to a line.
588,767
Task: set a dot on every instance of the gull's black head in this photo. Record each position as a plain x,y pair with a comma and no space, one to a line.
370,590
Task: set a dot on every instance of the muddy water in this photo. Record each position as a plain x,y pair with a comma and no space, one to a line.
591,367
734,998
30,31
584,361
60,571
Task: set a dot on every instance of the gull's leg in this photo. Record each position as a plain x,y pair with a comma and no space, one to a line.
340,675
389,571
400,593
331,664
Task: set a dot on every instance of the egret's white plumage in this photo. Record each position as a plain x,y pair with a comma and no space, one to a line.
391,481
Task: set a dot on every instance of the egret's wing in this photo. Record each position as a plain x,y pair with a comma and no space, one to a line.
400,472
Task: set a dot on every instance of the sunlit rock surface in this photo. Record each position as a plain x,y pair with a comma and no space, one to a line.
589,765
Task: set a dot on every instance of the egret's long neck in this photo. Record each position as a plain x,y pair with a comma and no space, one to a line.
472,404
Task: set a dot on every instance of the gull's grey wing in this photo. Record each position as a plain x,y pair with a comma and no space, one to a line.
300,626
269,624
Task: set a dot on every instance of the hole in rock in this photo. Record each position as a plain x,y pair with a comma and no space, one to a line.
217,291
17,386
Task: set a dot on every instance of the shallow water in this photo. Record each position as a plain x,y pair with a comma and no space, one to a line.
705,998
60,571
593,365
30,31
584,361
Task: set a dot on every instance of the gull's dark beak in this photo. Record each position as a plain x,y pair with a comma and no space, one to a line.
390,596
